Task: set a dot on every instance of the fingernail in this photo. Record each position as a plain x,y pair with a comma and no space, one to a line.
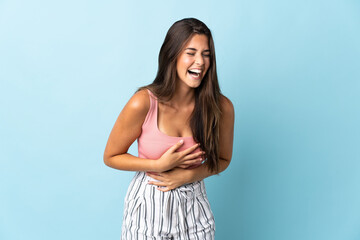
181,141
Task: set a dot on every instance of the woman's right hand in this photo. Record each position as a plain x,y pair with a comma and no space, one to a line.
182,159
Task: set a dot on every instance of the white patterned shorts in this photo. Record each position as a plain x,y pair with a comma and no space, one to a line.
183,213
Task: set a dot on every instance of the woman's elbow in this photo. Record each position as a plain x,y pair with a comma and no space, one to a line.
107,160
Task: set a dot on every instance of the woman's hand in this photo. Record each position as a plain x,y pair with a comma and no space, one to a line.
183,159
171,179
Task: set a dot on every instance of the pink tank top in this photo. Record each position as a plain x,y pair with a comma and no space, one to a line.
153,143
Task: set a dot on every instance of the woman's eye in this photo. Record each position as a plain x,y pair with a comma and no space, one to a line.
204,55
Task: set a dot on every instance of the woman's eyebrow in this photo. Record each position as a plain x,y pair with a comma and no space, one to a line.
194,49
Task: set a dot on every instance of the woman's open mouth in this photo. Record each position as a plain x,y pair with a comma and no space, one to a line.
195,73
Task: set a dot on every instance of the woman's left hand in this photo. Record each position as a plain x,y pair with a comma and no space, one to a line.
170,179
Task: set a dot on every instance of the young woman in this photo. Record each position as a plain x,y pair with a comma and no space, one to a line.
184,127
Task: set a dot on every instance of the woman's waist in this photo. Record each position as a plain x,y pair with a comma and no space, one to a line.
196,188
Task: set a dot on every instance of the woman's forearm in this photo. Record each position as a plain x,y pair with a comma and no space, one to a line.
202,172
128,162
178,176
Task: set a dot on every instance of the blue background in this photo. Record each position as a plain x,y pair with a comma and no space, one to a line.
291,69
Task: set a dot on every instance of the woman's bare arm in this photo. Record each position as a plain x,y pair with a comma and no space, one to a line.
127,129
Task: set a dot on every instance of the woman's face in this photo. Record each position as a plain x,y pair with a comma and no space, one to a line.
193,61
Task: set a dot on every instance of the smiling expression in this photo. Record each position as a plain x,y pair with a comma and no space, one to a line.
193,61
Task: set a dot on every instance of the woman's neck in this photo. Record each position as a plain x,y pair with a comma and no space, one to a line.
183,96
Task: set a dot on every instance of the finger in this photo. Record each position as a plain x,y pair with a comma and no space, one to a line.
191,149
155,176
194,161
163,189
177,145
191,162
194,155
184,165
159,184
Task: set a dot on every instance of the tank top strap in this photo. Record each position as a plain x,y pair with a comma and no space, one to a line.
151,94
151,115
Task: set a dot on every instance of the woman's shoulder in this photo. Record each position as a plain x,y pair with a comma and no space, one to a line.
226,105
140,102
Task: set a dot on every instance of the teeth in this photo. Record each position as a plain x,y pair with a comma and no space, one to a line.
195,70
194,73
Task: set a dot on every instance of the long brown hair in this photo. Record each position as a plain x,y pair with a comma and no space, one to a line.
204,120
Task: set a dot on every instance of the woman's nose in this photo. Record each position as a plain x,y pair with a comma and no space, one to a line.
199,60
